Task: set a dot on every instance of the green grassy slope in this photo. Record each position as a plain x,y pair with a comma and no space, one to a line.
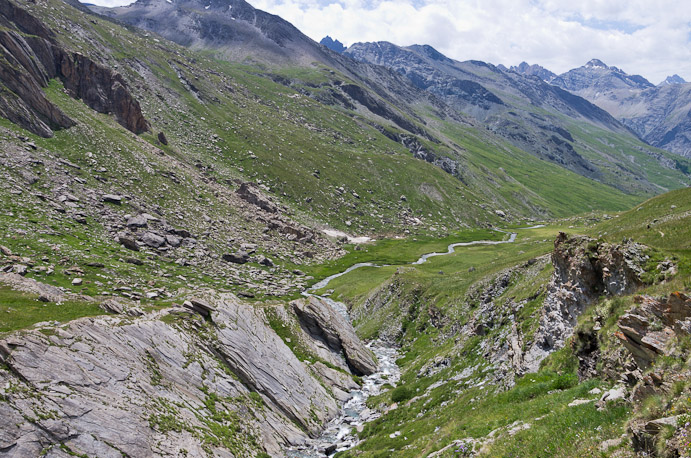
430,302
279,126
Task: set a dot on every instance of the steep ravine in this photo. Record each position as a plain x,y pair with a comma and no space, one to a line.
339,434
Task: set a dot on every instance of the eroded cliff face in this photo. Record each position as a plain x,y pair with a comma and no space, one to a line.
210,378
584,270
30,57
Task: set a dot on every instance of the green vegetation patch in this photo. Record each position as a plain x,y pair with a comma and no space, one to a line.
22,310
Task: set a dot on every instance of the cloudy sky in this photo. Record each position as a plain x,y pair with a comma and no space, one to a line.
647,37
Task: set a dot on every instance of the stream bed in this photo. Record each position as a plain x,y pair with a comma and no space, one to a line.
341,432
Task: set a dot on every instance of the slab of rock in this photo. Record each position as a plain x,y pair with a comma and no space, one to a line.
578,402
173,240
334,378
153,240
112,198
240,257
199,306
137,221
322,322
106,381
29,285
254,196
639,330
120,306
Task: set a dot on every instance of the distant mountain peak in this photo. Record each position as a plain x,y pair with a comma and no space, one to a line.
674,79
430,52
596,63
525,68
332,44
598,77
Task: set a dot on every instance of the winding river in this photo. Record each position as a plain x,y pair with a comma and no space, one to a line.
340,433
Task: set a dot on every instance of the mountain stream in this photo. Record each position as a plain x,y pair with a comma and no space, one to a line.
339,433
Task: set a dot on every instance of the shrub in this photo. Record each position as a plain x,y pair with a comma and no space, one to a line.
401,394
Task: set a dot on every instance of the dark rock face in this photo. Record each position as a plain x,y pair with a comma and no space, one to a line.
32,58
101,89
332,44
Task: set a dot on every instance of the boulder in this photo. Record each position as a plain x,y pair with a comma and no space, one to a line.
199,306
254,196
239,257
153,240
112,198
322,322
264,261
128,243
173,240
137,221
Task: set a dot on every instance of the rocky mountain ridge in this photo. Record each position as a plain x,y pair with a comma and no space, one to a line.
658,114
505,102
332,44
34,58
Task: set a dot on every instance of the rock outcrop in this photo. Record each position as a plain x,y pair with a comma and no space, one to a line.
162,384
584,270
648,328
31,57
329,328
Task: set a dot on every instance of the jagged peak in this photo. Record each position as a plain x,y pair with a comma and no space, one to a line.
334,45
674,79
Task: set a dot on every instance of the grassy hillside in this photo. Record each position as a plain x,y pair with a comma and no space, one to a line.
284,129
453,395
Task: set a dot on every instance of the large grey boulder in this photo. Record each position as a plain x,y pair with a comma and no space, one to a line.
153,240
325,324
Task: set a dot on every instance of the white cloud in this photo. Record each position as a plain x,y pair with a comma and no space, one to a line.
638,36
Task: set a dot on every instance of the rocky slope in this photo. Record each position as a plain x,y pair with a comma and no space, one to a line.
582,350
198,379
32,57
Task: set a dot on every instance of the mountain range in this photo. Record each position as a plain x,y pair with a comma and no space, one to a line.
221,238
657,114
